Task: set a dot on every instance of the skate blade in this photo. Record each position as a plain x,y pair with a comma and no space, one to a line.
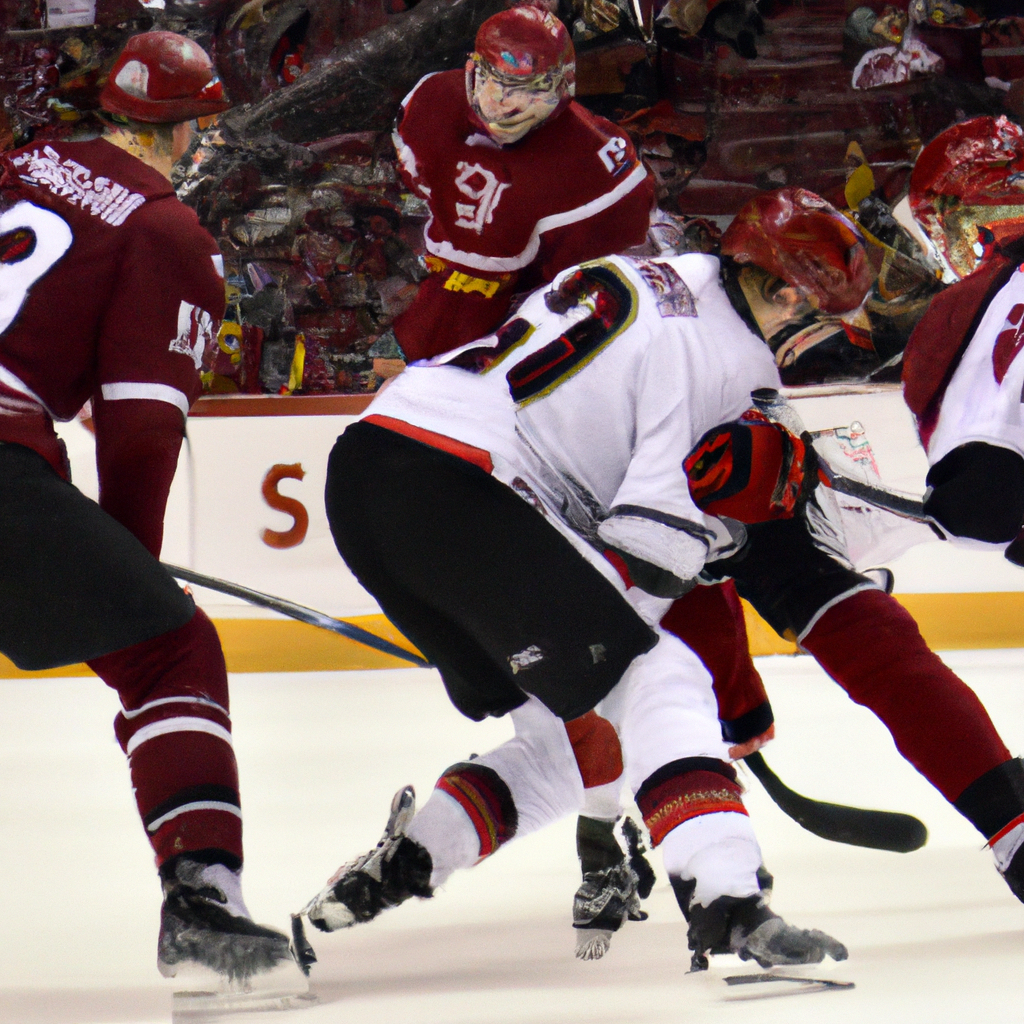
592,943
207,1007
203,995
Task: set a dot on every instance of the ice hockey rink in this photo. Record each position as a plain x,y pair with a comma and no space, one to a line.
934,936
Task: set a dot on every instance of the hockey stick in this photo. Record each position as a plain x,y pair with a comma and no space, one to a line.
297,611
899,504
855,826
883,830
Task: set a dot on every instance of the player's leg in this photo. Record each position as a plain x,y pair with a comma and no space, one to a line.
936,720
476,807
676,765
79,586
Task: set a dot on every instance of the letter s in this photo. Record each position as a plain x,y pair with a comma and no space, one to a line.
282,503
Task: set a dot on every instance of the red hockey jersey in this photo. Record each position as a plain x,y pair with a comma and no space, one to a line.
109,290
573,189
509,218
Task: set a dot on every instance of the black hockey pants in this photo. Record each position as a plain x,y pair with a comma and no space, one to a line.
476,578
74,583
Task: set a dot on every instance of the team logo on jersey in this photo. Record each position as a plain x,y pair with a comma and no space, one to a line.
670,291
1009,342
195,332
483,189
614,155
75,184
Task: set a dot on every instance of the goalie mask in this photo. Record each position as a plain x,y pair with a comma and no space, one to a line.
800,238
522,72
967,189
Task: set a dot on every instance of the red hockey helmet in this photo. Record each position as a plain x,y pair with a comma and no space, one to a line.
804,240
162,78
524,43
969,175
524,48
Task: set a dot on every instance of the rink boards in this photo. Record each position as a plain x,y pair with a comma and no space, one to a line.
247,506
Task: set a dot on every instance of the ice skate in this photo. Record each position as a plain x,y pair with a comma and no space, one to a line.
395,870
612,885
216,953
747,927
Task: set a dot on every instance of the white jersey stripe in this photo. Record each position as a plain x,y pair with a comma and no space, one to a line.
203,701
198,805
447,251
169,725
154,392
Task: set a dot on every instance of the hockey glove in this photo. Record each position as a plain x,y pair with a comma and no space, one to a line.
753,470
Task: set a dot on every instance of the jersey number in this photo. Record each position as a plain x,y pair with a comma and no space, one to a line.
31,241
612,300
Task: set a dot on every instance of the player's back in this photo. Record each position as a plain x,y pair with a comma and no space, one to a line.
95,245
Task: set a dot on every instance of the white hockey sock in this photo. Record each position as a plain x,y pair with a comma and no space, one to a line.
444,829
602,802
719,850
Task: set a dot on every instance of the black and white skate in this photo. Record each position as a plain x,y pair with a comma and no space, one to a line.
612,885
201,926
397,869
745,926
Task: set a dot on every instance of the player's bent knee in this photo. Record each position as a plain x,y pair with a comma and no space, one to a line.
977,491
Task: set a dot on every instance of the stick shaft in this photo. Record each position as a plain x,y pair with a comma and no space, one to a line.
296,611
901,505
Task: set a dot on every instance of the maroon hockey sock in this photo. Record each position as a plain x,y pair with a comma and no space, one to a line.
871,646
175,728
709,620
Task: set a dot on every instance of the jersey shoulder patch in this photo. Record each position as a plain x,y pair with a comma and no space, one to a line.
671,293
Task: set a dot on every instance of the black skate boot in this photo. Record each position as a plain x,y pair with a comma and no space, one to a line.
204,923
395,870
745,925
612,886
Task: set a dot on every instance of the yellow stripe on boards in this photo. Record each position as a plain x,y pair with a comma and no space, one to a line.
948,622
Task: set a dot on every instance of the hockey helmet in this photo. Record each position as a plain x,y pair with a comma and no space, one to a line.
804,240
162,78
970,176
526,50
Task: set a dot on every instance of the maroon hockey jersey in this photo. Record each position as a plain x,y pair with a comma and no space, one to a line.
508,218
109,290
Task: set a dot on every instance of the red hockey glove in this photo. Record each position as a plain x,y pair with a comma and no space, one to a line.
753,470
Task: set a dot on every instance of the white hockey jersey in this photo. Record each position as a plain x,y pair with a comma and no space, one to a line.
591,396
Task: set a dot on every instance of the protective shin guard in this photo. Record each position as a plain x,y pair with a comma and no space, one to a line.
175,729
871,646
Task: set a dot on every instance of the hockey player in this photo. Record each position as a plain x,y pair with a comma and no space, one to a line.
476,500
110,291
962,370
521,181
794,569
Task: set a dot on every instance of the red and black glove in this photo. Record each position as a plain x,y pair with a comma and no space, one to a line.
753,470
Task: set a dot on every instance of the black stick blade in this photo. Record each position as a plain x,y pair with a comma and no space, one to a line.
855,826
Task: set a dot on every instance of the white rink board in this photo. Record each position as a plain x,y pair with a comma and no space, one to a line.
216,513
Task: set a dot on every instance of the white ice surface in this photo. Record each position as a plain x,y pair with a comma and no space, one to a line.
934,936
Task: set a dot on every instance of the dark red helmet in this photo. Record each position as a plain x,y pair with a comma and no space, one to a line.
971,174
804,240
163,78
